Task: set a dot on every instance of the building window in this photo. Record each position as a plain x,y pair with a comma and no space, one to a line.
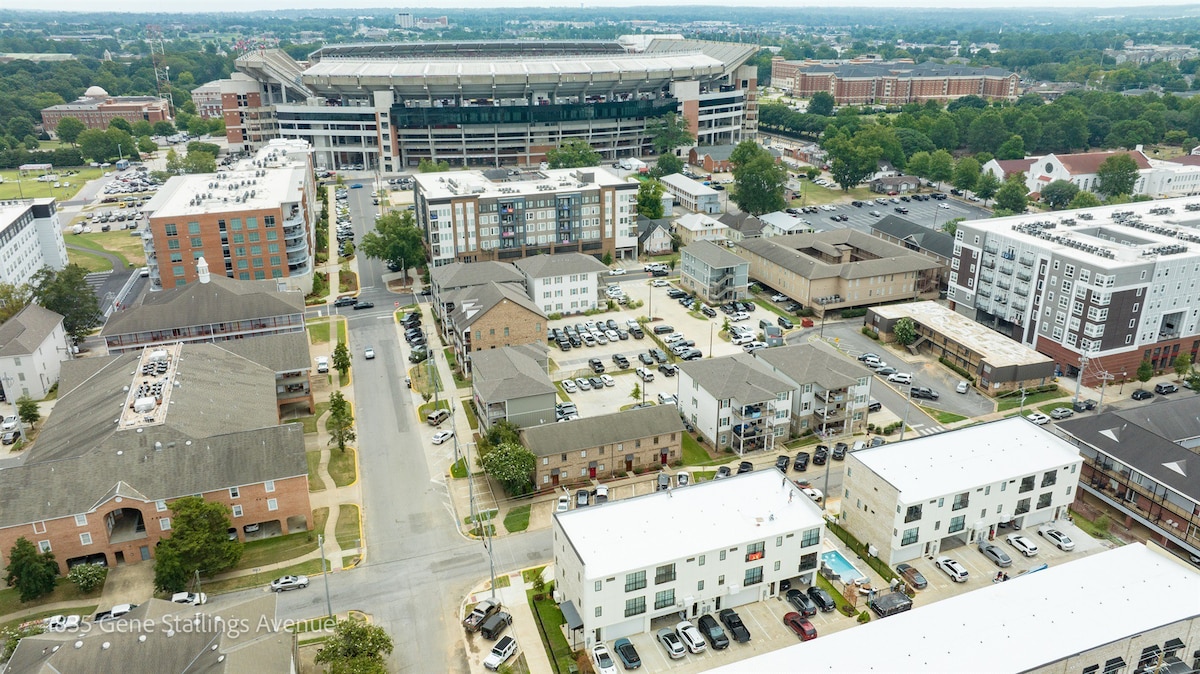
635,606
599,585
808,562
913,514
160,505
755,551
810,537
1044,500
664,599
957,524
701,560
753,576
910,536
44,546
81,520
85,539
1049,478
635,581
272,504
699,586
234,493
165,523
237,511
664,574
1022,507
722,555
269,485
1026,484
598,608
961,501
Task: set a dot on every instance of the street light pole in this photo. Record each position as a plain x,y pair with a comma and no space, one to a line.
904,424
326,570
711,329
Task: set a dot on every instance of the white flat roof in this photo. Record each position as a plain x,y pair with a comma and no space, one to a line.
1018,626
529,183
640,532
687,185
947,463
260,189
996,349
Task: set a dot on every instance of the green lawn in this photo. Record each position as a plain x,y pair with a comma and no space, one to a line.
815,195
549,619
65,590
458,469
315,483
1031,400
424,410
452,361
704,475
469,410
91,262
517,518
318,331
769,306
341,466
942,416
347,530
311,568
341,323
695,455
425,378
117,242
529,575
30,188
1097,528
310,422
833,592
282,548
85,611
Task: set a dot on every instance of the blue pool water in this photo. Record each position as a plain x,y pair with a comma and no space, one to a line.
841,566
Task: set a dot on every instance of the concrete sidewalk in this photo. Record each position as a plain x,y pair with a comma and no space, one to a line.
524,626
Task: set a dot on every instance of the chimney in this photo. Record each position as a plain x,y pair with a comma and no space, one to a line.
202,270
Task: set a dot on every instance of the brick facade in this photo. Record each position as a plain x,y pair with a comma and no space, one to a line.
606,462
177,266
506,324
98,113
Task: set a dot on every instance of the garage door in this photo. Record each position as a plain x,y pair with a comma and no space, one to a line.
746,596
624,629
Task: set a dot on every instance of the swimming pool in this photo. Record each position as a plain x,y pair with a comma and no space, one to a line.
836,561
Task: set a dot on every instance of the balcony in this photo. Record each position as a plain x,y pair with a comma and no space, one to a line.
1024,275
300,246
983,292
991,248
989,262
1006,269
987,277
1027,259
1022,291
835,396
1004,284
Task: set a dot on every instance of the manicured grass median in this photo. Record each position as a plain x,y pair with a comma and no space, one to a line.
942,416
341,466
347,530
315,483
311,568
318,331
459,468
517,518
1031,400
425,379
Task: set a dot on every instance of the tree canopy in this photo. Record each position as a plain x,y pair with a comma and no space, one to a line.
68,293
1059,193
356,647
512,466
68,129
1116,176
199,542
758,179
395,240
821,103
666,165
1012,195
31,571
668,132
573,154
649,199
341,421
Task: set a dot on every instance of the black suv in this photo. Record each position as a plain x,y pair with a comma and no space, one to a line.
821,598
621,361
800,463
596,365
663,329
668,370
839,451
782,462
1142,394
745,467
345,301
820,455
923,392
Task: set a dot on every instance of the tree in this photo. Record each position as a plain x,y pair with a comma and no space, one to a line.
666,165
1058,194
163,128
607,258
122,124
341,359
667,133
68,129
501,432
87,577
27,409
146,145
13,298
966,174
1145,371
341,421
356,647
987,186
30,570
511,465
918,164
1116,175
636,393
649,199
941,167
1012,197
198,162
199,542
821,104
1193,380
430,166
395,240
905,331
1183,364
573,154
758,180
1084,200
1013,148
141,128
850,163
67,293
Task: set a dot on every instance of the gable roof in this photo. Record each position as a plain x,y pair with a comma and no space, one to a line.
810,364
1085,163
745,223
740,376
542,266
716,152
1011,166
925,238
279,353
508,373
465,274
24,333
647,227
790,252
606,429
712,255
220,300
473,302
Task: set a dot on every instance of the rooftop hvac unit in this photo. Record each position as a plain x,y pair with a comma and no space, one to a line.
144,405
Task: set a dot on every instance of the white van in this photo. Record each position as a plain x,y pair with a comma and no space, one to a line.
436,417
322,364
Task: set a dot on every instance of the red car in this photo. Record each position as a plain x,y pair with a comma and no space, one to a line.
803,628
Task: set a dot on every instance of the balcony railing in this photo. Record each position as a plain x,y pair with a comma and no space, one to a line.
989,262
1027,260
991,248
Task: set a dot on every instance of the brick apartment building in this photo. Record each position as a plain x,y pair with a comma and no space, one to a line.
96,109
490,316
92,490
892,83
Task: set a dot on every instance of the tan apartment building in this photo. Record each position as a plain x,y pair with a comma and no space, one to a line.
251,222
491,316
893,83
92,490
604,447
840,269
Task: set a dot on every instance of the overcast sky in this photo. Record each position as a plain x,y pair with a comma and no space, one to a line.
241,5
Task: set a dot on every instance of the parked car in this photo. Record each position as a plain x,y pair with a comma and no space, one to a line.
802,602
671,643
712,631
1024,545
601,658
1038,418
362,304
442,436
289,583
501,652
820,455
564,503
956,571
803,628
997,556
569,386
1165,388
910,574
874,405
800,462
668,370
723,471
745,467
923,392
822,599
10,437
627,653
691,636
733,622
1061,412
1142,394
962,387
900,378
839,451
1058,538
664,482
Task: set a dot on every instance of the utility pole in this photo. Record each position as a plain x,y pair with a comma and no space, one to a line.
1105,377
327,570
1083,361
909,406
484,528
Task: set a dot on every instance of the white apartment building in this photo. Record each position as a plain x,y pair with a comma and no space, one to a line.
1116,283
473,216
33,345
692,195
697,549
567,283
30,238
832,393
694,227
908,498
736,401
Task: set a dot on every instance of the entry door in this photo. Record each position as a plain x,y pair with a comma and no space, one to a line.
662,457
554,478
628,464
145,550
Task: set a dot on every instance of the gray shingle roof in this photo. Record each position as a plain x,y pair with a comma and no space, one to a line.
260,648
472,303
278,353
713,255
24,333
607,429
748,225
790,253
464,274
809,364
716,152
739,376
507,373
220,300
541,266
647,227
936,242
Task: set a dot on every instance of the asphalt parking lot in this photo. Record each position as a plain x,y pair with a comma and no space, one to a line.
926,213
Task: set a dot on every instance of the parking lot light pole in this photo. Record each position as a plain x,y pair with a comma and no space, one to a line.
326,572
909,406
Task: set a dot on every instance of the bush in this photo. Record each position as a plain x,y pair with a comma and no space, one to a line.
854,313
868,331
864,617
965,375
87,577
554,316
